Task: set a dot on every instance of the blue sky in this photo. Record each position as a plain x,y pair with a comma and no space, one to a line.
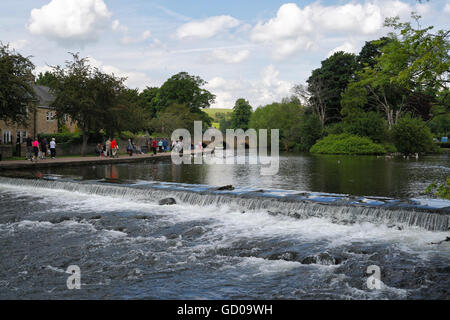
255,49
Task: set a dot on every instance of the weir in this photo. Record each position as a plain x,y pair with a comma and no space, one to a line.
339,208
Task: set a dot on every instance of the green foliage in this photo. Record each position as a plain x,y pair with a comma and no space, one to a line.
347,144
66,137
284,116
310,131
441,190
440,122
127,135
16,91
183,88
334,128
332,77
91,98
177,116
411,135
47,79
366,124
241,114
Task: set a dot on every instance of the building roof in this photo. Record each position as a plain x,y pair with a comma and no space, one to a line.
44,96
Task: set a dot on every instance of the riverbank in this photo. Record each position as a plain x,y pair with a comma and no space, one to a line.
76,161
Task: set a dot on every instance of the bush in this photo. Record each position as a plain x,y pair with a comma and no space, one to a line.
411,135
66,137
347,144
366,124
310,132
127,135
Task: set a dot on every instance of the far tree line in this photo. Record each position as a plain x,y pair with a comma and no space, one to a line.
394,94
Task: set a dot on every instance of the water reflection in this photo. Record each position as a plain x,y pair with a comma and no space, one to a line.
362,175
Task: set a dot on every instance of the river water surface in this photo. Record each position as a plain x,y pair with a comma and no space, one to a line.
207,247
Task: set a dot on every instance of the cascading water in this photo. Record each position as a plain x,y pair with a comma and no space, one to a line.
338,208
234,244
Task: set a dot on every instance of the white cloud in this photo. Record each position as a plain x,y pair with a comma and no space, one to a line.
346,47
228,56
70,21
130,40
447,7
206,28
18,44
42,69
135,79
117,26
267,89
299,29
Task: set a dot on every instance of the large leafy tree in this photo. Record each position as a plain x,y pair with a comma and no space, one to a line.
285,116
410,75
175,116
183,88
16,90
240,116
327,83
87,95
46,79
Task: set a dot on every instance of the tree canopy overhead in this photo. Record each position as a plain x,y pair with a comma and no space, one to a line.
327,83
183,88
16,86
240,116
90,97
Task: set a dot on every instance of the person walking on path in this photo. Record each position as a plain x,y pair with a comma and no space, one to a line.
108,147
29,147
114,148
44,148
35,149
130,147
99,150
165,145
160,145
154,145
53,148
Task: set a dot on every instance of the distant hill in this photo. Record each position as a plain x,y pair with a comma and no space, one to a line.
212,112
216,114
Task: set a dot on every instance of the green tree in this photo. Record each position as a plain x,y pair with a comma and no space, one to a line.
411,135
174,117
183,88
148,100
310,131
366,124
47,79
241,114
412,71
327,83
16,90
87,95
284,116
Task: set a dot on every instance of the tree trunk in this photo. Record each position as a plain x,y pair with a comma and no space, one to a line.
84,145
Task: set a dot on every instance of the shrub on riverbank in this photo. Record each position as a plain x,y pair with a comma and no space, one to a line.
347,144
411,135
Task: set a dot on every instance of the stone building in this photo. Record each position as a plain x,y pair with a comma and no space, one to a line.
43,120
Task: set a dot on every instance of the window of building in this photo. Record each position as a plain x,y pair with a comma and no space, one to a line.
50,116
21,136
6,137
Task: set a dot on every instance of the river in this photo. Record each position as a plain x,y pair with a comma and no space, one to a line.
309,232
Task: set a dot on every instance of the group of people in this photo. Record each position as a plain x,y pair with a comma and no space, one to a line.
109,149
159,145
39,148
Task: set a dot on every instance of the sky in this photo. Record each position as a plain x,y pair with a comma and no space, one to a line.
255,49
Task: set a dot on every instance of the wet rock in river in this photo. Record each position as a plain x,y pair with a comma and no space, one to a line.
167,201
227,187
